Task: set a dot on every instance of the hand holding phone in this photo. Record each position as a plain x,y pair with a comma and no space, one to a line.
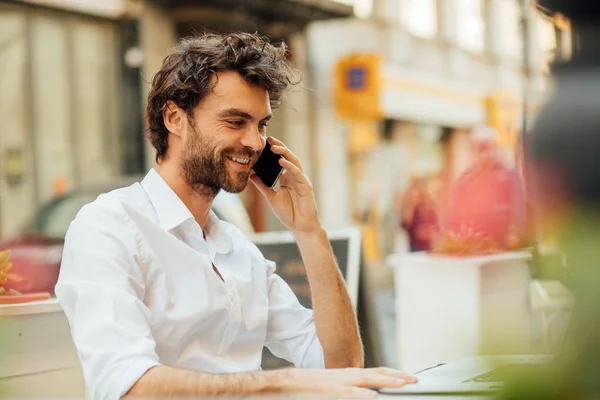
294,204
267,167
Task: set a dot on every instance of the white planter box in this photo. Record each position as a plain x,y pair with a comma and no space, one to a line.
37,354
449,307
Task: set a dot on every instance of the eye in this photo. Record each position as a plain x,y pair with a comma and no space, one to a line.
236,123
263,126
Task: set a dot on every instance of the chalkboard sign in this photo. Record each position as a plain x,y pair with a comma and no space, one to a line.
280,247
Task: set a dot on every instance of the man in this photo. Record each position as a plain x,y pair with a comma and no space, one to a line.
164,299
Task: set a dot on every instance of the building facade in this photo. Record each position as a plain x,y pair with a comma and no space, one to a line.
58,102
74,77
427,71
74,81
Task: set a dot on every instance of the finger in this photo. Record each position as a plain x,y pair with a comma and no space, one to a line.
395,373
376,381
294,171
278,143
275,141
288,154
264,189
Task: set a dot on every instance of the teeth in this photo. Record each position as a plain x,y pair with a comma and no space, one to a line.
240,160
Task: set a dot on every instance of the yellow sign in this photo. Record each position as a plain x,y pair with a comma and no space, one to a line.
503,113
561,22
358,85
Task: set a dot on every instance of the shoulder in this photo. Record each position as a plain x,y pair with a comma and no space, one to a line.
111,212
110,204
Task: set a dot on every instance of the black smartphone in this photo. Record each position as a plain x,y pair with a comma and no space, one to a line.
267,166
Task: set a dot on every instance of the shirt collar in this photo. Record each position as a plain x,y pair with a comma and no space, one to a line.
169,208
172,212
219,235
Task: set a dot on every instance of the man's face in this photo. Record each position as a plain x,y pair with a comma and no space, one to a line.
225,135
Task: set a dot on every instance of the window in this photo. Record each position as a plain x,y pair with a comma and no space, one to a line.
511,38
471,25
419,17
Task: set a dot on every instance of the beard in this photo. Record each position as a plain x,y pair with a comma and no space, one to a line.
204,165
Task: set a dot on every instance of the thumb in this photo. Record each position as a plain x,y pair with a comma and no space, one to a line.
262,188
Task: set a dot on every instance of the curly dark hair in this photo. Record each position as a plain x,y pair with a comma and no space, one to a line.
185,74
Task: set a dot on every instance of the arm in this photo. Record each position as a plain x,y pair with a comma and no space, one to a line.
168,382
100,289
294,205
163,381
335,319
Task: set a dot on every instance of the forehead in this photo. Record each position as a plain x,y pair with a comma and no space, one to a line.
231,90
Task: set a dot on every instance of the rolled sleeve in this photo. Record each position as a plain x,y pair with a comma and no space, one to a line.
291,332
101,287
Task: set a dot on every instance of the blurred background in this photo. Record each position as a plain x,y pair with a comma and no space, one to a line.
391,89
391,92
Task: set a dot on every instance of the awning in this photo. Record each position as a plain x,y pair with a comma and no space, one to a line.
276,18
577,10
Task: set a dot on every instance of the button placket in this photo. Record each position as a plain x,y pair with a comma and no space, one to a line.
234,317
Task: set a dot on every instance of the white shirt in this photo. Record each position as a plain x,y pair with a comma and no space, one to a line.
138,288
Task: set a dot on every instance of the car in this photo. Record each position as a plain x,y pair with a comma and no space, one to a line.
36,250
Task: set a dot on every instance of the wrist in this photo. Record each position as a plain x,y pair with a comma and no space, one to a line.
276,381
314,233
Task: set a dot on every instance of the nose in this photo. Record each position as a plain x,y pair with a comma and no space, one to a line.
253,139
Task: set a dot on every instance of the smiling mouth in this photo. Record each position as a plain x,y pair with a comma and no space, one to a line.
239,160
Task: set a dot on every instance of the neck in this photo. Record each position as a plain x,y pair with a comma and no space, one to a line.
198,202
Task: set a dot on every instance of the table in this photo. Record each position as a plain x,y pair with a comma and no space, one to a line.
38,358
37,354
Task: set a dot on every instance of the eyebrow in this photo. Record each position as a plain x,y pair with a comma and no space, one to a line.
236,112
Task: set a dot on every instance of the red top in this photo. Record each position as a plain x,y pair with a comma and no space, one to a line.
487,200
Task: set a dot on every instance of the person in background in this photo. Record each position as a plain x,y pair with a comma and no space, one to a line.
164,299
486,207
419,216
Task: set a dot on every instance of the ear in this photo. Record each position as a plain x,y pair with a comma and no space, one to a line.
174,118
